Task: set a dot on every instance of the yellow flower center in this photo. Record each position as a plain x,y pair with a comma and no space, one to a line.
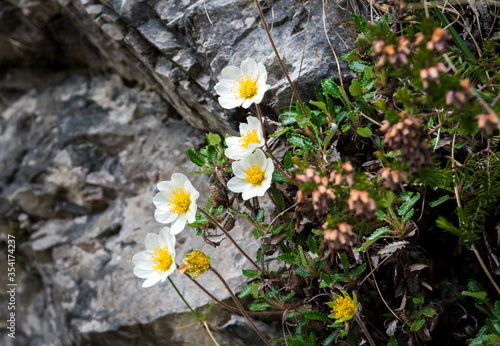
246,86
198,262
344,307
249,137
254,175
179,201
162,259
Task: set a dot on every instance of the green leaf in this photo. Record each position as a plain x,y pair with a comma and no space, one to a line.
313,245
288,257
303,259
331,88
326,278
300,271
257,233
246,291
355,88
277,229
280,177
287,118
213,138
315,315
474,286
344,260
364,132
360,22
345,128
429,312
408,204
196,158
299,140
260,215
211,153
281,132
278,198
250,273
358,66
475,295
331,338
287,160
368,72
259,305
440,200
289,231
358,270
408,215
417,324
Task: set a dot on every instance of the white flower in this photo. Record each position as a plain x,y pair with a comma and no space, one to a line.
252,175
242,86
176,202
158,261
251,138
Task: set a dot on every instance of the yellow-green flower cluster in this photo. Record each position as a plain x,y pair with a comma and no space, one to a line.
343,308
195,263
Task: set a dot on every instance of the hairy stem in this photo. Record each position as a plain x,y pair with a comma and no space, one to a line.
211,218
239,305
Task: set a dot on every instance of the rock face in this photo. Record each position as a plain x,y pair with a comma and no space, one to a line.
100,100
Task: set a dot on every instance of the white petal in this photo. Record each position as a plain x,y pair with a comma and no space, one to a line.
224,87
247,103
253,122
178,179
262,73
230,72
151,281
191,214
160,200
166,238
239,169
244,128
236,185
151,241
165,185
229,103
256,99
144,273
144,264
164,216
269,168
249,66
178,225
248,193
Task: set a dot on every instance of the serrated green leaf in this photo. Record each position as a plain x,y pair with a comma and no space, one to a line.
287,118
360,22
320,105
345,128
358,270
260,215
331,88
429,312
281,132
257,233
475,295
196,158
408,204
315,315
364,132
300,271
289,230
368,72
326,278
211,153
288,257
278,198
277,229
355,88
250,273
417,324
313,245
303,259
213,138
259,305
408,215
440,200
339,277
280,177
358,66
247,290
299,140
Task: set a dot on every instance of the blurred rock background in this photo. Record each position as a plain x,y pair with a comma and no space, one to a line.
100,100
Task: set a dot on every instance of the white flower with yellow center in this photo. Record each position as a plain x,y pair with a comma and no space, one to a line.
176,202
251,138
158,261
242,86
252,175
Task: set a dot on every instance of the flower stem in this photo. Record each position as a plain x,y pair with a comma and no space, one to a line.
211,218
184,300
239,305
362,325
230,308
261,14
